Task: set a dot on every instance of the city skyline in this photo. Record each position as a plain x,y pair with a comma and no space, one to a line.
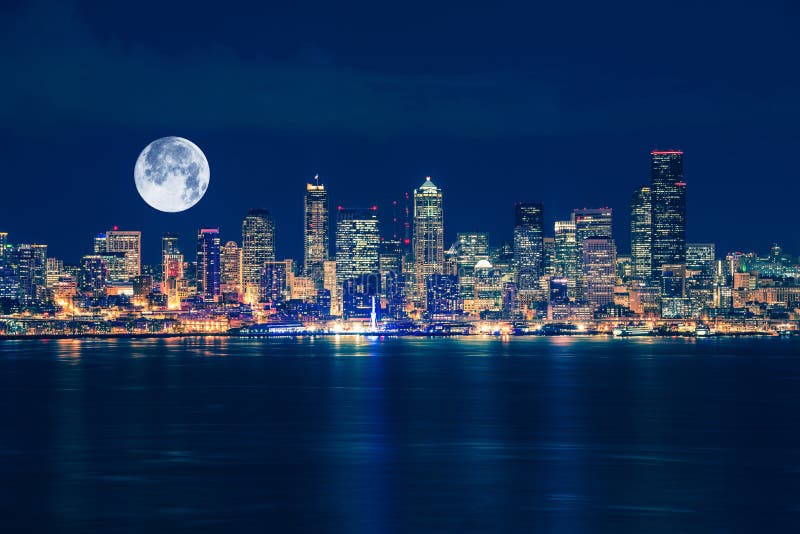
295,247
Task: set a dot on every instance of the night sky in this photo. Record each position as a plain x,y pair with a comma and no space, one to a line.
498,102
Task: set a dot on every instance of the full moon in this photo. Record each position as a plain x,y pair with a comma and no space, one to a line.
172,174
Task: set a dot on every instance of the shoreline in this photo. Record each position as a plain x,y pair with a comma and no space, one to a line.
40,337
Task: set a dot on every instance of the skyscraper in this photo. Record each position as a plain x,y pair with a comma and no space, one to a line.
599,270
31,264
258,247
129,244
231,268
428,234
316,230
566,254
528,244
208,272
357,243
470,248
589,223
592,222
669,210
3,242
172,278
641,233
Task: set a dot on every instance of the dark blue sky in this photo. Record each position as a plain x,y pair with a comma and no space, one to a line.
497,101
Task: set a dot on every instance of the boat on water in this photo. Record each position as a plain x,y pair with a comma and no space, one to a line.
702,330
633,330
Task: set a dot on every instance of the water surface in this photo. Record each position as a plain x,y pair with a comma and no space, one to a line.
400,435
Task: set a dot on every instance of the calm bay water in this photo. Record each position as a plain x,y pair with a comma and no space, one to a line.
400,435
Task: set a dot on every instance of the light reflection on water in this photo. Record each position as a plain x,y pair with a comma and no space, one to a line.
371,434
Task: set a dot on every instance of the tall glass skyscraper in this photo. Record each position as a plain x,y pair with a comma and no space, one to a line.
669,210
258,247
428,234
316,231
31,267
641,233
566,254
528,244
357,243
208,275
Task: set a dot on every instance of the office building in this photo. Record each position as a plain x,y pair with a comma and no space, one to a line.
316,230
641,233
129,245
669,210
258,247
599,270
428,234
231,268
208,264
528,244
357,243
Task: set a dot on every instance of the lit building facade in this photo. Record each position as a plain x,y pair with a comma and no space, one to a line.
470,248
357,243
129,244
566,252
528,244
599,270
316,230
208,264
231,268
641,233
258,247
669,210
428,234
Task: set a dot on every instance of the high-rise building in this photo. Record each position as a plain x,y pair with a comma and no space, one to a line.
428,234
3,243
592,222
701,257
599,270
528,244
316,231
54,269
566,254
330,283
700,274
173,283
275,282
669,210
258,247
393,278
641,233
93,276
357,243
549,255
31,268
470,248
129,244
442,295
169,243
99,244
589,223
231,268
208,264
